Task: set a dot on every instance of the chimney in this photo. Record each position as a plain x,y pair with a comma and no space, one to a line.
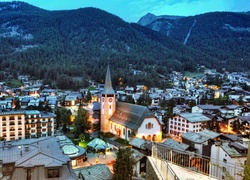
26,148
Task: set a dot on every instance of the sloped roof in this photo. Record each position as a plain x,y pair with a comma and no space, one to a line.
139,143
108,89
96,172
38,152
130,115
201,136
97,143
175,145
39,159
194,117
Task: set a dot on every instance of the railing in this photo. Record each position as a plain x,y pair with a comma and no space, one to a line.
195,162
162,165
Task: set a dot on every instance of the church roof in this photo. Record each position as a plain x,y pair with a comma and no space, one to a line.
108,89
130,115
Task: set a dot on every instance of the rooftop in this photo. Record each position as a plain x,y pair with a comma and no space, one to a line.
201,136
194,117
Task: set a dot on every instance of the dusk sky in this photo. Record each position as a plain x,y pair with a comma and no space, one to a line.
132,10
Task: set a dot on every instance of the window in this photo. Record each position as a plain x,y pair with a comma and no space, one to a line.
123,131
52,173
149,126
224,160
28,174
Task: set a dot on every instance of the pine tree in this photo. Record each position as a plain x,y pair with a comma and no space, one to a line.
123,167
82,122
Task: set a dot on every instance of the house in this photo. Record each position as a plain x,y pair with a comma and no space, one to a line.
201,141
34,159
185,122
127,120
181,109
71,100
140,162
228,155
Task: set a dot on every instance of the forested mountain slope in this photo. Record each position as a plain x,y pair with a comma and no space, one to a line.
223,35
66,48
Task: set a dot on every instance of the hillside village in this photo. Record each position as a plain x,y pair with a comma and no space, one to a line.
205,121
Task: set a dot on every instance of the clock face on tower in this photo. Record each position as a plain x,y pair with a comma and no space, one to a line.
110,99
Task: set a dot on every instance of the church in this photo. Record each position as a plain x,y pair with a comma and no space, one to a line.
127,120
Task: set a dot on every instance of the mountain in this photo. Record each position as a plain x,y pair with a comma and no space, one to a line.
223,35
68,48
149,18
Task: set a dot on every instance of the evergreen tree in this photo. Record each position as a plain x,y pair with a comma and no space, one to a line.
144,100
82,122
63,118
88,96
123,166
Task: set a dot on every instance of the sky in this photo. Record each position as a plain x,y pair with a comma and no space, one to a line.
133,10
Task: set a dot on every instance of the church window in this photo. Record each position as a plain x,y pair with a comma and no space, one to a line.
109,106
123,131
149,126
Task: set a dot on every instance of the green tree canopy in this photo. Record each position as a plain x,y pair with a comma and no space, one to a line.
123,167
82,122
63,117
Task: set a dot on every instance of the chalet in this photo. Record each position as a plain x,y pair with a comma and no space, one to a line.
201,141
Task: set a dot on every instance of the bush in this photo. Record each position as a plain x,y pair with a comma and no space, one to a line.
122,141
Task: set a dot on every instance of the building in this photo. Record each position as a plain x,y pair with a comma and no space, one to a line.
26,124
230,158
12,125
185,122
39,124
201,141
76,154
127,120
29,159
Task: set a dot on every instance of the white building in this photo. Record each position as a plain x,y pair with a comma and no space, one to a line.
185,122
127,120
12,125
26,124
229,158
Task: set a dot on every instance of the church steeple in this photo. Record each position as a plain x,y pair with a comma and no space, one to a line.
108,89
108,103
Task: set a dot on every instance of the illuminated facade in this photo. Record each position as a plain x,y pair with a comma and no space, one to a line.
26,124
127,120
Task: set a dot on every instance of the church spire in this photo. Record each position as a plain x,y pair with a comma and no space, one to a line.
108,89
